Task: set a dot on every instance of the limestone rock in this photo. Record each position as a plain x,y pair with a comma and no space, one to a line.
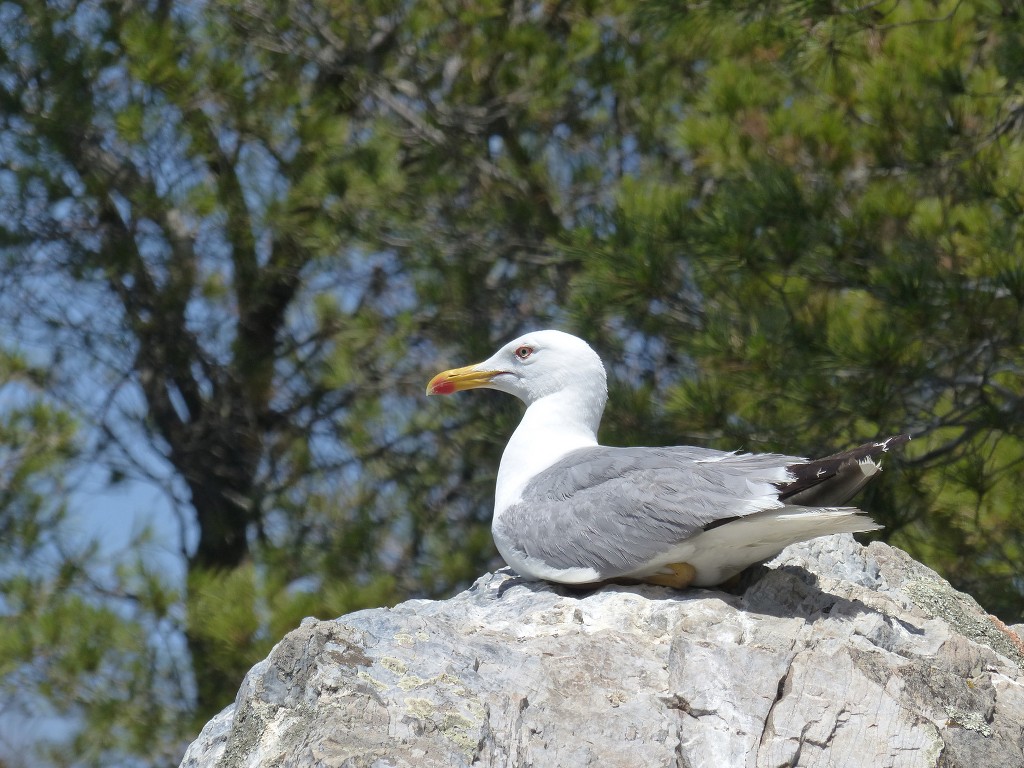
833,655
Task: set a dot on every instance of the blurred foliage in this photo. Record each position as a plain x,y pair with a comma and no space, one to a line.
72,647
239,237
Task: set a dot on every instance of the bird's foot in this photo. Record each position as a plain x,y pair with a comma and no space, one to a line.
512,581
676,576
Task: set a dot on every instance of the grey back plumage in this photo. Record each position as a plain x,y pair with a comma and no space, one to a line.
612,508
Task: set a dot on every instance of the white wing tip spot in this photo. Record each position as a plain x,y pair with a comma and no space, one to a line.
869,467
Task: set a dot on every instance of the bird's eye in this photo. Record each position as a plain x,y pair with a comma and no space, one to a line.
524,352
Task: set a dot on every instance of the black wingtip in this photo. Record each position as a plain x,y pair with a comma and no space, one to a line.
831,480
892,442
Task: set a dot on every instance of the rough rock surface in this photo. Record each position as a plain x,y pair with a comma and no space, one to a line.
833,655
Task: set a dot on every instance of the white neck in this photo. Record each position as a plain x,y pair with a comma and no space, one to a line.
551,427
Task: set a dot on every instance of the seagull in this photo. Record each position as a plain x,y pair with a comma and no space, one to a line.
572,511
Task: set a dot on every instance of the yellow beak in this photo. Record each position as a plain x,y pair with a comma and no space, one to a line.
458,379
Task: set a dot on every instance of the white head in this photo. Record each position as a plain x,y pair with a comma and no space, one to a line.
532,367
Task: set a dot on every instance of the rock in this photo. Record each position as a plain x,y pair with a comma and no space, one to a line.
834,654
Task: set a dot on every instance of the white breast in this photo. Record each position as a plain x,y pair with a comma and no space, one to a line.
551,427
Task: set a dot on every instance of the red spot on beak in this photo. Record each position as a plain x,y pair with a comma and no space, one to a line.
458,379
442,388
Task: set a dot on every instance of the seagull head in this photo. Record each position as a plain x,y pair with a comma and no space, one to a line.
531,367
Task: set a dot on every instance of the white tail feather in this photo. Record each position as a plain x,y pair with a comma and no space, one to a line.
722,552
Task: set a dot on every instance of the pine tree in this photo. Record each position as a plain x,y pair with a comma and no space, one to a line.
244,235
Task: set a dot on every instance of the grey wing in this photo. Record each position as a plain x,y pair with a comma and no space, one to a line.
614,509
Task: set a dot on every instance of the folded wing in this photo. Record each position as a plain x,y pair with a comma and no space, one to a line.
616,509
